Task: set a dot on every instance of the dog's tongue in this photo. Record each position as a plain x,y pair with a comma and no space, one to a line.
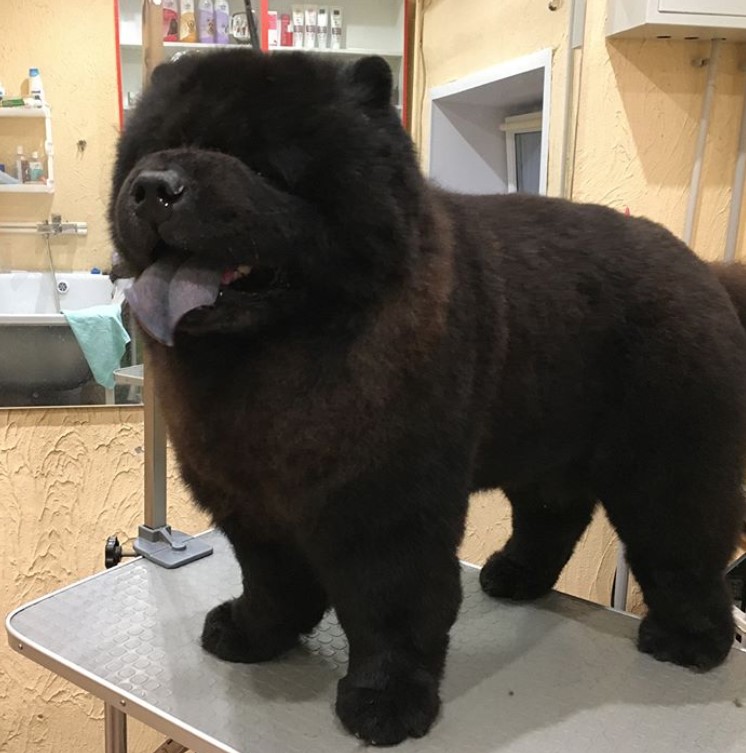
167,290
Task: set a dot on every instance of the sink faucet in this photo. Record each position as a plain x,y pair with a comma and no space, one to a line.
55,226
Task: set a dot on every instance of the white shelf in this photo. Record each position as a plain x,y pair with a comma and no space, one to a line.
24,112
26,188
350,51
43,113
185,45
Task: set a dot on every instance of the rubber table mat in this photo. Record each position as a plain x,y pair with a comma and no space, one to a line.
557,676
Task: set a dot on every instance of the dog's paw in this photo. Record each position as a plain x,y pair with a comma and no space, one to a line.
504,578
230,637
702,650
404,708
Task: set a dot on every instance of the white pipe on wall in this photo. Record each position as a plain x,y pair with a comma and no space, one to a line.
33,228
575,35
736,201
18,227
699,151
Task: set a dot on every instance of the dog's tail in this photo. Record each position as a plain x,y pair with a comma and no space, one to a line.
733,278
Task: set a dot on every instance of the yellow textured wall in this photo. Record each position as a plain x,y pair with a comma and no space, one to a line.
638,112
637,125
68,480
72,44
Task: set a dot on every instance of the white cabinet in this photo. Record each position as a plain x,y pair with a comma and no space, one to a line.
677,19
704,7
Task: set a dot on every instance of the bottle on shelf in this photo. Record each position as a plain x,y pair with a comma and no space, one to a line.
299,25
206,21
323,27
187,22
22,171
309,39
35,169
222,21
286,30
35,86
336,28
170,10
273,31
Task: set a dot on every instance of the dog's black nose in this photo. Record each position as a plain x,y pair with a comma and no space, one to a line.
154,193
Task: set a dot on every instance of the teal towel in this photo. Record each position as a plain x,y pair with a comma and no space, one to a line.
102,338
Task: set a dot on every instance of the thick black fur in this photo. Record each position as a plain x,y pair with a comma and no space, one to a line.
422,345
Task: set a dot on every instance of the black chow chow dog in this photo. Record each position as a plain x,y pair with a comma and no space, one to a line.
343,353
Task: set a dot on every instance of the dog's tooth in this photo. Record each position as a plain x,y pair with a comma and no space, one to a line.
244,269
228,276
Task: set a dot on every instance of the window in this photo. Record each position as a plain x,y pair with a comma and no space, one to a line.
488,131
523,145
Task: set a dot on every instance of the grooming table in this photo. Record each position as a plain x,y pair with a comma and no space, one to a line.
557,676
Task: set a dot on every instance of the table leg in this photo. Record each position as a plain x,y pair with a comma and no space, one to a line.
171,746
115,730
621,580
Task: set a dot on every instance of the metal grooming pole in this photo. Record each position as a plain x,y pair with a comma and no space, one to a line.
251,21
156,540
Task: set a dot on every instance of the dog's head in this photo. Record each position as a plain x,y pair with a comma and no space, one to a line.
247,185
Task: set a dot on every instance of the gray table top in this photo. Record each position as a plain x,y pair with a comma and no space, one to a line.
557,676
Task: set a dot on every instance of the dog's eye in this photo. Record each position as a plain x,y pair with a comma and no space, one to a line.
272,176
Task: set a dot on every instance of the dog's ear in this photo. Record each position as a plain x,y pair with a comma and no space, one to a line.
372,81
162,73
178,66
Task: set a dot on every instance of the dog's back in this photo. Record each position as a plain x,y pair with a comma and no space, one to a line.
624,381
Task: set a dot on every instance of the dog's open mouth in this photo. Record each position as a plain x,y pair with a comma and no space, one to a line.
173,286
256,281
235,276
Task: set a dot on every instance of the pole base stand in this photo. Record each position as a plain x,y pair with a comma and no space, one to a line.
169,549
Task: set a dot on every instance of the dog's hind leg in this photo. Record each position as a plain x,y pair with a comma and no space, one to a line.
678,546
548,519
